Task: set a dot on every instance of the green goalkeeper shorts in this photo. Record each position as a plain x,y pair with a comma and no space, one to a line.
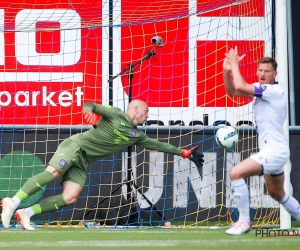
71,161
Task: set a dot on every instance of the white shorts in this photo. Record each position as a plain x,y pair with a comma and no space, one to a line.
272,159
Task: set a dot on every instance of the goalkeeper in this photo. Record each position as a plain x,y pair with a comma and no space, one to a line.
114,131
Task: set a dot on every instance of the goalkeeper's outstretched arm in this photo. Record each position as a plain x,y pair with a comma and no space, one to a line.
192,153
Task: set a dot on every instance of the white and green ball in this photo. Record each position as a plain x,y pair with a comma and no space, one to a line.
227,137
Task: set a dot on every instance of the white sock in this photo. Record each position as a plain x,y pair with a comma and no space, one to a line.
28,211
291,205
14,202
241,195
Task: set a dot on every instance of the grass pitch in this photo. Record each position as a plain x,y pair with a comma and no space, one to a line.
140,238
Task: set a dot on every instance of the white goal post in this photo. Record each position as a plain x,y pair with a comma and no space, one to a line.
281,57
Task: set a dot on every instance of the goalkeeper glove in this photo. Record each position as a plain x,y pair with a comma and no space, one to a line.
90,117
193,155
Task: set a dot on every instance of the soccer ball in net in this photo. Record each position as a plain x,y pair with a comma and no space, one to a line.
227,137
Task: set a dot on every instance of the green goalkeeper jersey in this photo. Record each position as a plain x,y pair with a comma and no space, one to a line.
115,131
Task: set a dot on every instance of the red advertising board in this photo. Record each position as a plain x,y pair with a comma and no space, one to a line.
210,54
45,75
51,57
165,82
248,8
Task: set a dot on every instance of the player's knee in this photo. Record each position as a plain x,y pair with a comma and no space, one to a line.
71,191
70,199
234,174
53,171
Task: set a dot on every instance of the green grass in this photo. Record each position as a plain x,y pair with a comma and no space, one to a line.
140,238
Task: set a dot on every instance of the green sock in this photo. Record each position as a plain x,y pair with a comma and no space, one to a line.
49,204
34,184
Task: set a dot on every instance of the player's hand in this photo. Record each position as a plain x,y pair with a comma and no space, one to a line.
90,117
232,57
226,65
193,155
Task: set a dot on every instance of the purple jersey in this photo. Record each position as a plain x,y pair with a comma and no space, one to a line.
269,113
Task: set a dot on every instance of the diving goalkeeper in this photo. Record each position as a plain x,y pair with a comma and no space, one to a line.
113,132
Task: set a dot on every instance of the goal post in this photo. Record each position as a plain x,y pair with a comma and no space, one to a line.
283,76
56,55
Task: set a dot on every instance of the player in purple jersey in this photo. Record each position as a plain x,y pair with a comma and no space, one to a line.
114,131
269,113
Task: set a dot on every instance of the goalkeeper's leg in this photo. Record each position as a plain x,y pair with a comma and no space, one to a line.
34,184
31,186
47,205
71,191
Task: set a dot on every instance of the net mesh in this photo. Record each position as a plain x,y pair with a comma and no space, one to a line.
56,55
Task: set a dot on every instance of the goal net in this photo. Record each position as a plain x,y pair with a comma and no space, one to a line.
57,55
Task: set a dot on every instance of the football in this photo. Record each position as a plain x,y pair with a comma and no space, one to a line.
226,137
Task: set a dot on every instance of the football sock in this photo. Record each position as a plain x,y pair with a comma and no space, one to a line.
291,205
241,195
14,202
34,184
49,204
29,211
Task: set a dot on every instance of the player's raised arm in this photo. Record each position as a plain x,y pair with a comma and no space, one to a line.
92,112
236,84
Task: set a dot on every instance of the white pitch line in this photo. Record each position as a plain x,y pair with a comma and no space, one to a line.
143,243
